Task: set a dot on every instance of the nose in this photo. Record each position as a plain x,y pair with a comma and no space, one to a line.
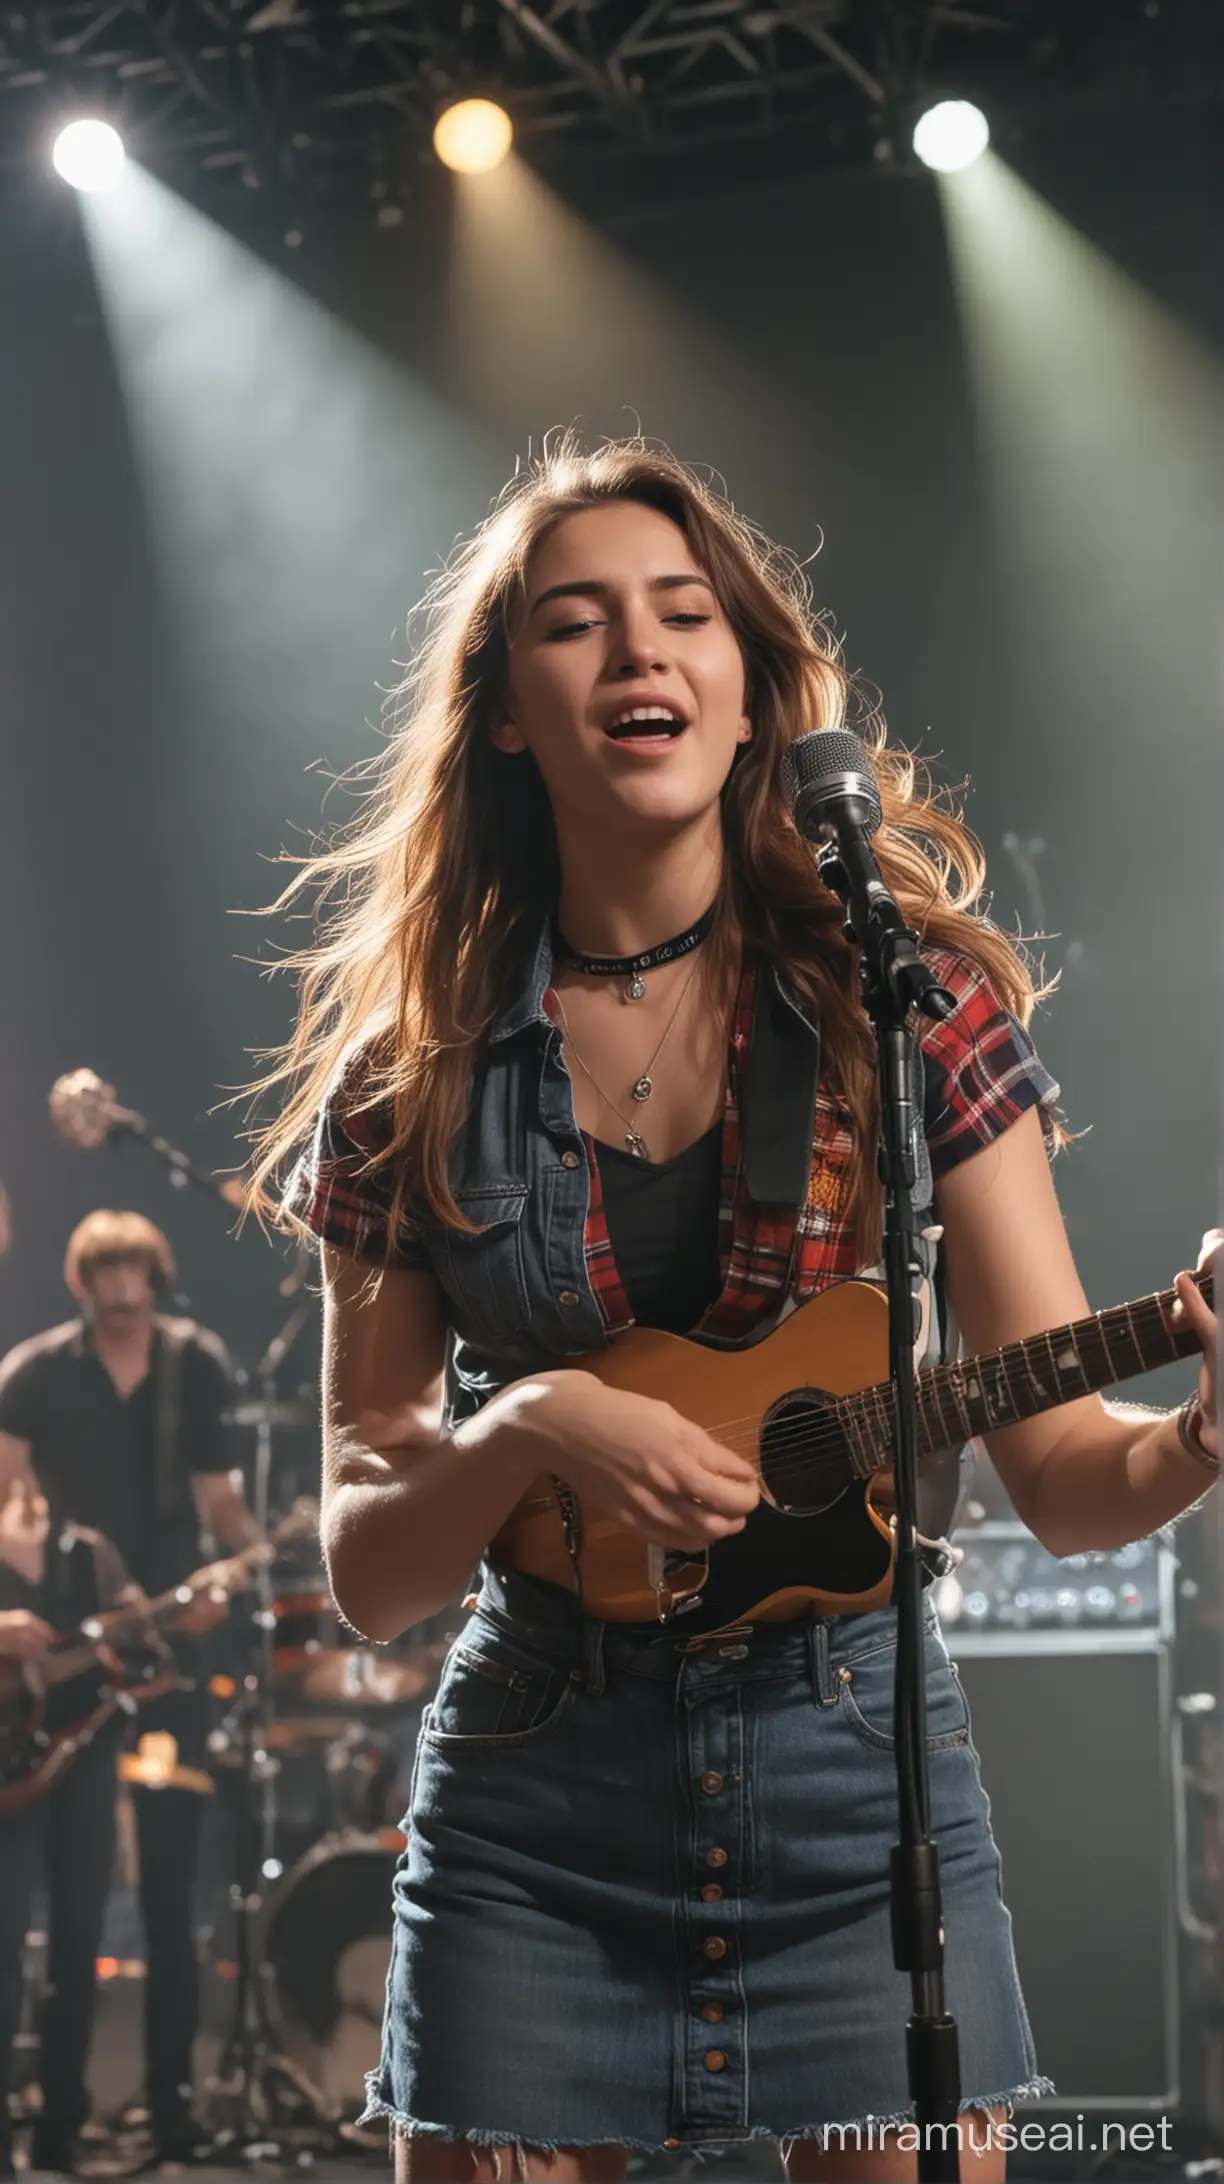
638,653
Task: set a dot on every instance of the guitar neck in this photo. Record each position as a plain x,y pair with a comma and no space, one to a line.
78,1654
981,1394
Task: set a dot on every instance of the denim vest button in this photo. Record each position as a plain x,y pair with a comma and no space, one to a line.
568,1297
571,1159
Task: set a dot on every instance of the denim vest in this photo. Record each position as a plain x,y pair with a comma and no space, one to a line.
517,1294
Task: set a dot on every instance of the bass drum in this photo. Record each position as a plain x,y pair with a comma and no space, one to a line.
327,1946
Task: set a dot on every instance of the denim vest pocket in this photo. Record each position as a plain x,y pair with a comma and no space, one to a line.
484,1275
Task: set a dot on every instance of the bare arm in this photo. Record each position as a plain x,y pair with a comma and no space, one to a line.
222,1510
407,1515
1089,1475
14,1464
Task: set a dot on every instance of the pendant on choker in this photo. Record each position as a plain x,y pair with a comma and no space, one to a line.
633,968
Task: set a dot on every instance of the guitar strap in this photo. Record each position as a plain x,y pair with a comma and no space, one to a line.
172,1339
777,1097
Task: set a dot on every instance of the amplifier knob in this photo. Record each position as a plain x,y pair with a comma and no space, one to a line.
1099,1602
1069,1603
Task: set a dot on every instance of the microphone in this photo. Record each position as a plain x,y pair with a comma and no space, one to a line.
834,797
830,785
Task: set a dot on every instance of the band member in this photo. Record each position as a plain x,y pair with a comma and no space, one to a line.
50,1582
118,1415
582,981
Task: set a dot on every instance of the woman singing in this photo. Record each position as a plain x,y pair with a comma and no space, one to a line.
580,994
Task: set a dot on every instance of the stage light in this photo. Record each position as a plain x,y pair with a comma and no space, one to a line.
951,136
89,155
473,137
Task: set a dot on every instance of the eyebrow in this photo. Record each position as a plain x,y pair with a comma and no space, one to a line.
591,588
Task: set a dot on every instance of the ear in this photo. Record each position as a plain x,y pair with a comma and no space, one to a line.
506,733
744,733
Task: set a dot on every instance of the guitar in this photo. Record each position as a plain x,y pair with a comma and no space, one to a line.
34,1758
808,1406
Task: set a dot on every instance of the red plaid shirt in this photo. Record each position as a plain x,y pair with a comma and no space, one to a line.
982,1072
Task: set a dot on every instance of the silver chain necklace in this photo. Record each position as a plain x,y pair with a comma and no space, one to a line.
635,1143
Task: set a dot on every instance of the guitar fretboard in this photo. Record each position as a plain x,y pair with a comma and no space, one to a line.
981,1394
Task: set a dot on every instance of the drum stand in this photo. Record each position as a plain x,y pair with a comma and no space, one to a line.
258,2094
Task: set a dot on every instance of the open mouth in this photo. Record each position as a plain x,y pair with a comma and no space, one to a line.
647,724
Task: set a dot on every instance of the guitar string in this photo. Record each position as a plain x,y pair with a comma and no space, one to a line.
827,1436
929,1383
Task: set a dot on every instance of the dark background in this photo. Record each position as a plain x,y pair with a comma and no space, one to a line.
162,724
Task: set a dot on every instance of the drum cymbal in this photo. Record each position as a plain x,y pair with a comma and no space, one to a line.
287,1413
356,1676
303,1734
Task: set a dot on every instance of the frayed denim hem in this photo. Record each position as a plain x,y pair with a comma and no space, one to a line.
899,2119
376,2109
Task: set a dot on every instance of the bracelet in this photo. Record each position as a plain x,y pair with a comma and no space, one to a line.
1188,1432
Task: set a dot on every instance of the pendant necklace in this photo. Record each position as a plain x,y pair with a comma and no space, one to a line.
633,968
635,1143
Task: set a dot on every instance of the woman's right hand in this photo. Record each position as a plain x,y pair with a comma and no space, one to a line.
23,1636
637,1461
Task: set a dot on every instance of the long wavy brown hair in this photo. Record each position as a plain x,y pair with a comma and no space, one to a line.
425,902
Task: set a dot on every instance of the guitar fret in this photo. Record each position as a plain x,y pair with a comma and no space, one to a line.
1093,1354
1009,1399
882,1424
950,1431
956,1388
1129,1324
932,1432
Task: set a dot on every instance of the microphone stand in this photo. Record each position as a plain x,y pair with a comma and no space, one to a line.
896,980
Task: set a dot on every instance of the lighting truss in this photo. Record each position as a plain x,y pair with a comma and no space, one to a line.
319,95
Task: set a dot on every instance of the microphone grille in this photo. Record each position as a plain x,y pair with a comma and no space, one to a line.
832,760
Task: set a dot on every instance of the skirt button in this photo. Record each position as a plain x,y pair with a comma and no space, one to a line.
714,1946
715,2059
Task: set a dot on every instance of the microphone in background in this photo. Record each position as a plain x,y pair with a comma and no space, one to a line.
834,797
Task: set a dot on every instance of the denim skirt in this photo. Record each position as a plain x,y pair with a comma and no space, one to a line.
644,1896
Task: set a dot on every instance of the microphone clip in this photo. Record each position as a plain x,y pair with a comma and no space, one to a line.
888,946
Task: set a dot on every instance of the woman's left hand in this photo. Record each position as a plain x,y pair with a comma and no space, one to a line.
1191,1305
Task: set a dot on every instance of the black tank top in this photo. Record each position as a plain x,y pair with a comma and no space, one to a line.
662,1221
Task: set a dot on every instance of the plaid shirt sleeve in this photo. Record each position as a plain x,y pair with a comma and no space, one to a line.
342,1197
982,1070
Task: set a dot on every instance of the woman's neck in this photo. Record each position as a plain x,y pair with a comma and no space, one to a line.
621,896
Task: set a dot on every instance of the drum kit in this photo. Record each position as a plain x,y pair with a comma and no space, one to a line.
313,1704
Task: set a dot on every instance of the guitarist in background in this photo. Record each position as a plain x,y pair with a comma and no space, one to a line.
48,1585
119,1417
581,1000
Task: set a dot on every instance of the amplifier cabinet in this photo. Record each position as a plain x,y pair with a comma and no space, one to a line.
1073,1734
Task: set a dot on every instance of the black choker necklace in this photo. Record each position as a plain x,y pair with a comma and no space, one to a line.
634,967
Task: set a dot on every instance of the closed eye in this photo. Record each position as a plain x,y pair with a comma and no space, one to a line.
576,629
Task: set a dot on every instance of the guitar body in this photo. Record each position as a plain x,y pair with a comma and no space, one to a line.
45,1756
115,1659
768,1400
